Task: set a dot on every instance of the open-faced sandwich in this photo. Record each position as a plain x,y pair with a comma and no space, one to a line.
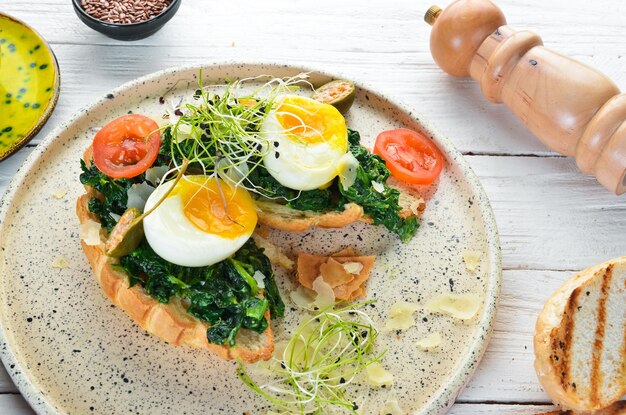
169,215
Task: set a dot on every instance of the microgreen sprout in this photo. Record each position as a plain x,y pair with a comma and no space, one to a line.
325,355
219,133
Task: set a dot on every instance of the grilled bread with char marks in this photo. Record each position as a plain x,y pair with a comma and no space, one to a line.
580,339
618,408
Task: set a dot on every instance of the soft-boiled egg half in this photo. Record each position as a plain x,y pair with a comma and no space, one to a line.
307,142
202,221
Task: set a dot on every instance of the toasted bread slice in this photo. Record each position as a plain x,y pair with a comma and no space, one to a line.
281,217
171,322
580,339
618,408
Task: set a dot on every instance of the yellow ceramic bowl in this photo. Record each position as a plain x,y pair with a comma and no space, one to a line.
29,84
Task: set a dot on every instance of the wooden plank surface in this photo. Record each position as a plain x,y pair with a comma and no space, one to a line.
385,46
552,219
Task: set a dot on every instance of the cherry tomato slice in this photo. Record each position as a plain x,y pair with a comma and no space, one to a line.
126,146
410,156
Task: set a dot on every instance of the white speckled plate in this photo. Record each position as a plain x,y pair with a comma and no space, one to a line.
71,352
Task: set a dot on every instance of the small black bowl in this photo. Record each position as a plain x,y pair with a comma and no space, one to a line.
131,31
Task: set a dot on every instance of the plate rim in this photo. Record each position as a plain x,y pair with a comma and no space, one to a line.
52,103
445,396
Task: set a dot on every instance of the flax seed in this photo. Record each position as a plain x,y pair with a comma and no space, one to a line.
124,11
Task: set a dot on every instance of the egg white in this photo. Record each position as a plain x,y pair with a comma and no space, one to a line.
174,238
296,164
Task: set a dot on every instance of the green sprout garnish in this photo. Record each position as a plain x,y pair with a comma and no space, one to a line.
325,355
220,134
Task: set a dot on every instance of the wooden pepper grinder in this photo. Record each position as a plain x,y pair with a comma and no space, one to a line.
569,106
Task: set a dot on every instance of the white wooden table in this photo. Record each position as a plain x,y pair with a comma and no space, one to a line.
552,219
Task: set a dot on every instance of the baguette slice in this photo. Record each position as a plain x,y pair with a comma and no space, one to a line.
580,339
618,408
171,322
281,217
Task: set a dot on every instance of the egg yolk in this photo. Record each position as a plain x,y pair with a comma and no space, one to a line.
312,122
214,207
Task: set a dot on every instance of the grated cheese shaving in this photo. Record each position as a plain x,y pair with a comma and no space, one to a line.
461,306
259,278
353,267
59,193
138,194
184,131
302,297
472,260
429,342
60,262
347,174
89,232
401,314
325,295
154,175
378,375
378,187
392,407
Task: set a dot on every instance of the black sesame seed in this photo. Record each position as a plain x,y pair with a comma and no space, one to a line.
110,96
276,143
161,100
355,406
342,380
364,333
277,154
178,112
282,364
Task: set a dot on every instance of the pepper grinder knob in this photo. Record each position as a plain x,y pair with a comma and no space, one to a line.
571,107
